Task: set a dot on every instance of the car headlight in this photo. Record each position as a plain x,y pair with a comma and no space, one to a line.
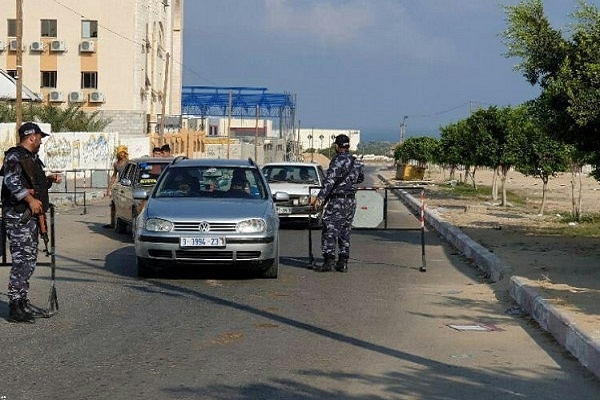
303,200
158,225
251,226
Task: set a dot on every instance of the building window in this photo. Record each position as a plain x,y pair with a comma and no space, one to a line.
12,27
48,79
48,28
89,29
12,73
89,80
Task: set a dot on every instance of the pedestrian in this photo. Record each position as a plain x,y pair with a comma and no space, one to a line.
337,198
165,150
24,198
156,152
118,167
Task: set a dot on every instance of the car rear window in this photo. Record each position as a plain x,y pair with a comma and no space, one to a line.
148,172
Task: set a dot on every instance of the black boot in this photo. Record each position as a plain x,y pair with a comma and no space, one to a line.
328,263
342,264
16,313
26,307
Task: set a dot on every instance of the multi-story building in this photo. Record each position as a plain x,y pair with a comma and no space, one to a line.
119,57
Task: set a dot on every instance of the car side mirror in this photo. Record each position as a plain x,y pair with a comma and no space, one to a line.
281,196
140,194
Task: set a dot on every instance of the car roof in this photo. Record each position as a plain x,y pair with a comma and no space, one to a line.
290,164
213,162
156,160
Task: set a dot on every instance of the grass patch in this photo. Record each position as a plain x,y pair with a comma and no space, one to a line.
587,226
467,191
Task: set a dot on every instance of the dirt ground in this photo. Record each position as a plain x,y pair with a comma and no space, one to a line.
565,269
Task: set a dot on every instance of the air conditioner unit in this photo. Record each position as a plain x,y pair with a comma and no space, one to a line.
58,45
76,97
55,96
12,45
87,46
36,46
96,97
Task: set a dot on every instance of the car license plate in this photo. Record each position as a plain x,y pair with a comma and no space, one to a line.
202,241
284,210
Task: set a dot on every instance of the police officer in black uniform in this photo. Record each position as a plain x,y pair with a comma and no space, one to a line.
24,198
338,199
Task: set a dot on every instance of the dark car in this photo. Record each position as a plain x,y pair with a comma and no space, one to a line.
140,173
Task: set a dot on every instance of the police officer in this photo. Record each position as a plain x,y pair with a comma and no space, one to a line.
24,197
338,199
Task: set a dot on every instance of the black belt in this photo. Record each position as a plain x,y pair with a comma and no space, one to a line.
342,196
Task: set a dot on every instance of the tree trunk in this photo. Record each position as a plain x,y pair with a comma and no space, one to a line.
473,178
495,185
544,187
573,201
467,171
504,172
579,204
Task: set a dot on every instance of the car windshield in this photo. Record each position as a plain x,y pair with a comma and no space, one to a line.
206,181
289,173
148,172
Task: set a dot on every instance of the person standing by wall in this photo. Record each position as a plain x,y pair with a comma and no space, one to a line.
338,199
24,198
118,167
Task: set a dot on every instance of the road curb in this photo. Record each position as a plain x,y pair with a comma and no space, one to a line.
494,268
558,323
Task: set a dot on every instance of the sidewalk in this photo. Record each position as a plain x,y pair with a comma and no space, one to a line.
551,318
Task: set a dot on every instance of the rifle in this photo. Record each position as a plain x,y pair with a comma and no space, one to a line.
44,231
42,225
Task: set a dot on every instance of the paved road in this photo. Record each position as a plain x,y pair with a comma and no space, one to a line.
378,332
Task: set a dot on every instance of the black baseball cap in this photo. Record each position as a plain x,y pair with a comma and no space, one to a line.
29,128
342,140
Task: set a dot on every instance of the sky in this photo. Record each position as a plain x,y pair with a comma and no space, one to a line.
363,64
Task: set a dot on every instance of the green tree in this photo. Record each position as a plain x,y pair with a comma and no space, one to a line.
567,69
69,119
453,149
422,149
538,153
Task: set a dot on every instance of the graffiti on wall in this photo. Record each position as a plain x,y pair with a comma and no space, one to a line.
78,150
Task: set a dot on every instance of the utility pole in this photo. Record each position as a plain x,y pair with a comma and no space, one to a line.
403,129
229,122
256,134
19,86
298,146
164,100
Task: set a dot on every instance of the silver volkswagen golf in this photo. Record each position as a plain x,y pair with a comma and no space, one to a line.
209,212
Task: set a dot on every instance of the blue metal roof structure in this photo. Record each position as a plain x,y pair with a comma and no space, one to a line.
245,102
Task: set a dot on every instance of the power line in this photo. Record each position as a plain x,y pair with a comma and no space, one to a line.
440,112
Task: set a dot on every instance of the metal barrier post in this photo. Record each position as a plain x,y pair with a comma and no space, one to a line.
385,206
3,238
423,266
84,192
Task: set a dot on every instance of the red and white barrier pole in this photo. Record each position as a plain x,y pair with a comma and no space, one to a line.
423,266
